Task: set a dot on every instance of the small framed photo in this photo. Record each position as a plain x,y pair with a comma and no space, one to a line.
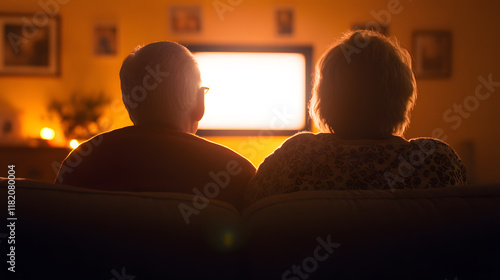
10,125
29,45
105,39
284,17
432,54
185,19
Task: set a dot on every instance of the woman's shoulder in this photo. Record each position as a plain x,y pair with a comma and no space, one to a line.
431,145
442,157
298,146
435,148
306,137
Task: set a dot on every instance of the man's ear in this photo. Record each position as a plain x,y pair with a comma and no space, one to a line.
199,108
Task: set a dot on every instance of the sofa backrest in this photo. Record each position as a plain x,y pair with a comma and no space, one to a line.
375,234
74,233
64,232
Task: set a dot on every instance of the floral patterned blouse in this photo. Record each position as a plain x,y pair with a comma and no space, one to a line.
324,161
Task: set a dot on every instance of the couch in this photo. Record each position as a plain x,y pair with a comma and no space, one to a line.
65,232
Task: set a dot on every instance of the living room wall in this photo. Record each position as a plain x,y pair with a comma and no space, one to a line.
475,44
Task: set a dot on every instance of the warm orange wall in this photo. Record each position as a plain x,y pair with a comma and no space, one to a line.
475,52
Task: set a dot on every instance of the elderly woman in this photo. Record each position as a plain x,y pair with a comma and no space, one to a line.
362,98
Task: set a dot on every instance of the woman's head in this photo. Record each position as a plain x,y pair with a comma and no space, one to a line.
364,87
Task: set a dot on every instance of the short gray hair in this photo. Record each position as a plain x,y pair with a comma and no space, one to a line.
364,87
159,83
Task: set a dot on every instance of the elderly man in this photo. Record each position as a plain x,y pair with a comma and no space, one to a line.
161,89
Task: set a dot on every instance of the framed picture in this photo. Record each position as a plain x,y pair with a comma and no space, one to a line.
29,45
185,19
10,124
284,17
105,39
432,54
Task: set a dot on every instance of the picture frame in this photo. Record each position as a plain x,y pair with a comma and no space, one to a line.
432,53
285,21
185,19
10,124
29,45
105,39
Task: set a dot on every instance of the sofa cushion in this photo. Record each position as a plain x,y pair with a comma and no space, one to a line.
66,232
405,234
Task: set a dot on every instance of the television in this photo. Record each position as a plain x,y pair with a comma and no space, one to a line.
254,90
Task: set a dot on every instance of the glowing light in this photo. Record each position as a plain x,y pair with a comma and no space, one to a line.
73,143
253,90
47,133
228,239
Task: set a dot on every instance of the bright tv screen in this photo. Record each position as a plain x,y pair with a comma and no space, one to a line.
253,89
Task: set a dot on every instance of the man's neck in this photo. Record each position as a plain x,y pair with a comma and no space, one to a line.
186,127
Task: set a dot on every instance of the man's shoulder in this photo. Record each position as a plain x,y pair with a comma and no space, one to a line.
220,151
160,140
118,132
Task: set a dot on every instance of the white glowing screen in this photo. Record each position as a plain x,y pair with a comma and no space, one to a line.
252,90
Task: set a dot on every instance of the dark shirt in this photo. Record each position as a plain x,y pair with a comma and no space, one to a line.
154,158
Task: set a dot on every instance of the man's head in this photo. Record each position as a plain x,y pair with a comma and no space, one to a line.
160,84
